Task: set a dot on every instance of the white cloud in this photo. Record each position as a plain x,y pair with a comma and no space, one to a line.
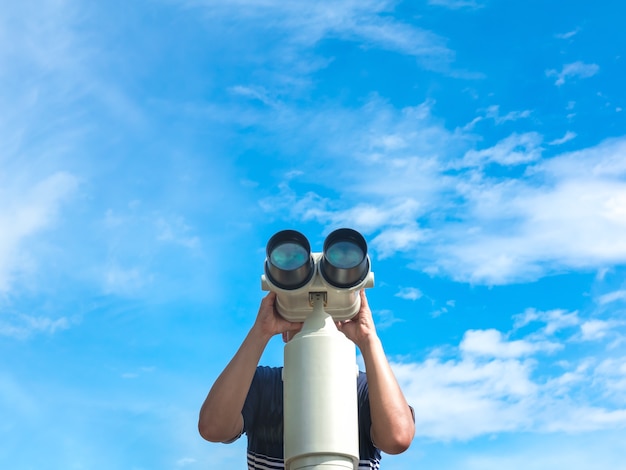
542,451
585,418
25,212
615,296
395,217
569,211
569,34
566,138
573,70
386,319
449,213
604,160
41,37
593,330
139,372
491,343
569,323
371,218
457,4
410,293
369,23
457,219
493,113
124,281
492,385
257,93
185,462
612,373
513,150
555,320
175,230
24,326
465,399
393,240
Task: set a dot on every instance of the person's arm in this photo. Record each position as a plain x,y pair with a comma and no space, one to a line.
220,416
393,426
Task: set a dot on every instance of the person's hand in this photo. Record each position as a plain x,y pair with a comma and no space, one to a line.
269,322
360,328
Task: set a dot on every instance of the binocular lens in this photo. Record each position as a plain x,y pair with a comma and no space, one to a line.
289,256
344,262
289,263
345,255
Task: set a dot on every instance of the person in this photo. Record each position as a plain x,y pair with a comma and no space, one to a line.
248,398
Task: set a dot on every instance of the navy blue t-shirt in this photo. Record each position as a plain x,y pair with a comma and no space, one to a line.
263,421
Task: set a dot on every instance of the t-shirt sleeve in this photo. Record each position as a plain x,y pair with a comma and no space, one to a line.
365,416
263,413
264,398
251,405
252,400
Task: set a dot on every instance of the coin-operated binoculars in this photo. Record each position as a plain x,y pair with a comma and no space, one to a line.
320,371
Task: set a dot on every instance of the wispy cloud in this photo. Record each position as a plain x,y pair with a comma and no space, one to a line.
513,150
254,93
491,384
185,462
410,293
461,399
492,343
573,70
554,320
457,4
400,239
429,194
386,319
25,212
568,34
569,135
370,23
138,372
594,329
581,193
132,159
176,231
526,380
615,296
125,280
493,113
24,326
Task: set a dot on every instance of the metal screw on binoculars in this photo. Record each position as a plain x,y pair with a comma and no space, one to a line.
320,372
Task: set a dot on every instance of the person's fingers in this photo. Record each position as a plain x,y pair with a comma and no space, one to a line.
364,301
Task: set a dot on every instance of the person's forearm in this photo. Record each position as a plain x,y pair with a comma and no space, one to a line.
392,421
220,415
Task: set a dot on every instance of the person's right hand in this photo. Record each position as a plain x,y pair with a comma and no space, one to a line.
269,322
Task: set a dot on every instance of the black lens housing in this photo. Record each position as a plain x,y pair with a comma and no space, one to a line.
341,277
289,279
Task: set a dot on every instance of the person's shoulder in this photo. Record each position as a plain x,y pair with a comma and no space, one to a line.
269,369
267,372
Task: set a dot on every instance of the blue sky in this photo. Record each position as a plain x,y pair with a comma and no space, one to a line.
149,149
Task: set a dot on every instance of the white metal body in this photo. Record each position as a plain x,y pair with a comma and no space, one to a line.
320,396
294,305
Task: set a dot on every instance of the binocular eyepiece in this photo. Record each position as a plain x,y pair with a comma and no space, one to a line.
338,272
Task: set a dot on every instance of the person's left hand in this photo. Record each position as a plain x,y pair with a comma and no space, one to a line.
359,328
